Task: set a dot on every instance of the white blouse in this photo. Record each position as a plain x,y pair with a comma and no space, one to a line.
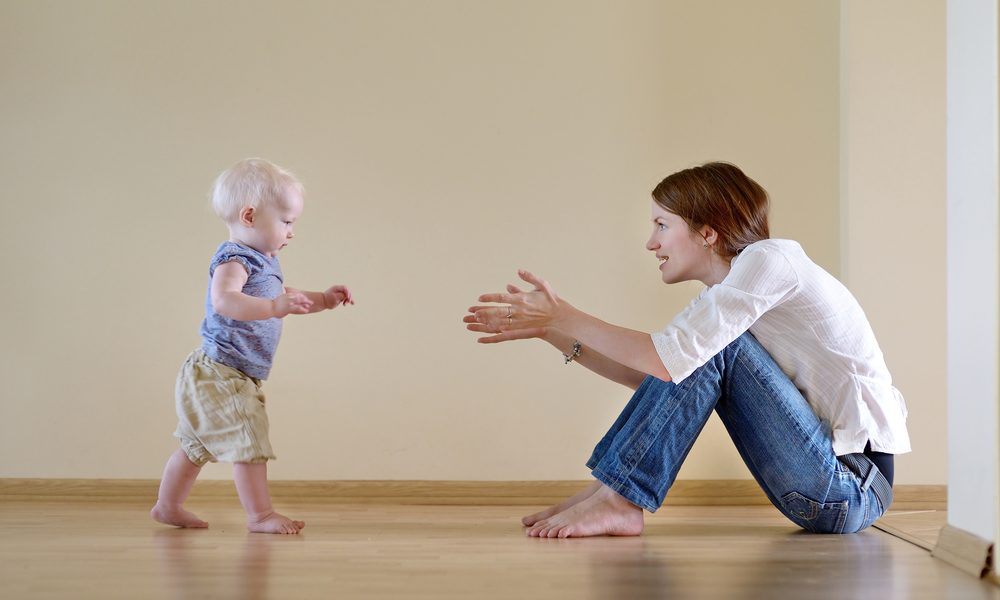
813,328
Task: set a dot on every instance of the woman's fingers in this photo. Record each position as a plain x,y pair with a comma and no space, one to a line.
531,278
485,314
493,318
514,334
515,308
539,283
513,290
497,297
475,309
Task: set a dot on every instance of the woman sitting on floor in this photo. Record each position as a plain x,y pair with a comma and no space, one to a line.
774,344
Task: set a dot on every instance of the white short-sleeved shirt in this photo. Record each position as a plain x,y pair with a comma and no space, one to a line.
814,329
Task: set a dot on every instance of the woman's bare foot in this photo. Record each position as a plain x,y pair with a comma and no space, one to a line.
558,508
603,513
274,522
176,516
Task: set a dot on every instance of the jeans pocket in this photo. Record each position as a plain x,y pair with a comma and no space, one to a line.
817,517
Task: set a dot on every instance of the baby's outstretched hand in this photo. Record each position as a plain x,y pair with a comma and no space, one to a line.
337,295
292,302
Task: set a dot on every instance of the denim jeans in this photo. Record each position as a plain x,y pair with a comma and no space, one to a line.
782,441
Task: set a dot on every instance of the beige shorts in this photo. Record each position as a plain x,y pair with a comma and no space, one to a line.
220,412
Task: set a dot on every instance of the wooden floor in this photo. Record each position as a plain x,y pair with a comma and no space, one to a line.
920,527
112,550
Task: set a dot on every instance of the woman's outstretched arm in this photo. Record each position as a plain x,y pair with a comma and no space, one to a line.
588,357
541,308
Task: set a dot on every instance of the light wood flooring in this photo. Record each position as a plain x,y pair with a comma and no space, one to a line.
107,549
920,527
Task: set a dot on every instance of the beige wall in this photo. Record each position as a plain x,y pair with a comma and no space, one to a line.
893,200
442,145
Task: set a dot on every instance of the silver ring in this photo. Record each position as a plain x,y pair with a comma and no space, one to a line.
510,311
510,321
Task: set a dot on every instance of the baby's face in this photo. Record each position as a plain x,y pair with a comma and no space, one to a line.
273,224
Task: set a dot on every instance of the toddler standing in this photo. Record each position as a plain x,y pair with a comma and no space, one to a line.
220,405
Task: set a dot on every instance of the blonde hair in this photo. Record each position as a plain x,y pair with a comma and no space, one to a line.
251,182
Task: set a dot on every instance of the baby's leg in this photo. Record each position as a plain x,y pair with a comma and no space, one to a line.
251,484
178,478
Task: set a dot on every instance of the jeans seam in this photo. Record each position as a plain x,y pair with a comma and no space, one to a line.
633,459
817,451
754,373
618,479
619,487
643,444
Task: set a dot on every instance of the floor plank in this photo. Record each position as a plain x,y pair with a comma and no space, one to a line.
920,527
112,550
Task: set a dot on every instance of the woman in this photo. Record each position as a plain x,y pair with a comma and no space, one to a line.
774,344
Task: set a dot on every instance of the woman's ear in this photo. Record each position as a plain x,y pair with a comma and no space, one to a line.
246,216
710,235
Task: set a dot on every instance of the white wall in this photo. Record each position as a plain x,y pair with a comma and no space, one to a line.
973,254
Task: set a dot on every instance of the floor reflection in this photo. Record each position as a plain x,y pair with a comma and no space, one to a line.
770,563
395,552
194,565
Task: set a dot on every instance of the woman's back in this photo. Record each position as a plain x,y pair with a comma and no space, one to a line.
820,337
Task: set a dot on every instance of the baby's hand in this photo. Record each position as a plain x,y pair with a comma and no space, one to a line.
337,295
292,302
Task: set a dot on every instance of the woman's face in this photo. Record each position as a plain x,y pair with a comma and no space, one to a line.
682,252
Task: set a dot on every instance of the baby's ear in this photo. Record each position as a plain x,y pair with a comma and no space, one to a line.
246,216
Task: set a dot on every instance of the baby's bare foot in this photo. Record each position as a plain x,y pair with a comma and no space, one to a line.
603,513
558,508
274,522
176,516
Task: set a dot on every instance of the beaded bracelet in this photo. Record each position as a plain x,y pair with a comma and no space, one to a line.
573,353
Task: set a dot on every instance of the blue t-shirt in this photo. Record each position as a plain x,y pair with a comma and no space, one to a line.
245,345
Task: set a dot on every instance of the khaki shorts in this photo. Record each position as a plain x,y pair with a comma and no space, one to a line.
220,412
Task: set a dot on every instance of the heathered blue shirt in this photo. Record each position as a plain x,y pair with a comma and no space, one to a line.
245,345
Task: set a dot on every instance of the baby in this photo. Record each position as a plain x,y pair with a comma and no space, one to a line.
220,404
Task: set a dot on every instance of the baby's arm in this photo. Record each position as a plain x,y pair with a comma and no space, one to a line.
229,300
328,300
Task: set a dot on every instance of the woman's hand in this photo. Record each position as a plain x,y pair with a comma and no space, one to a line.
506,336
526,314
622,355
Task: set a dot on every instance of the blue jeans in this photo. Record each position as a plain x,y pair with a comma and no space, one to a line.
782,441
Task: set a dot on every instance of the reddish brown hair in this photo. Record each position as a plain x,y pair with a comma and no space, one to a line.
721,196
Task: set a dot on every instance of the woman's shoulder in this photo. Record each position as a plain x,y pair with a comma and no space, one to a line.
773,246
769,252
768,265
